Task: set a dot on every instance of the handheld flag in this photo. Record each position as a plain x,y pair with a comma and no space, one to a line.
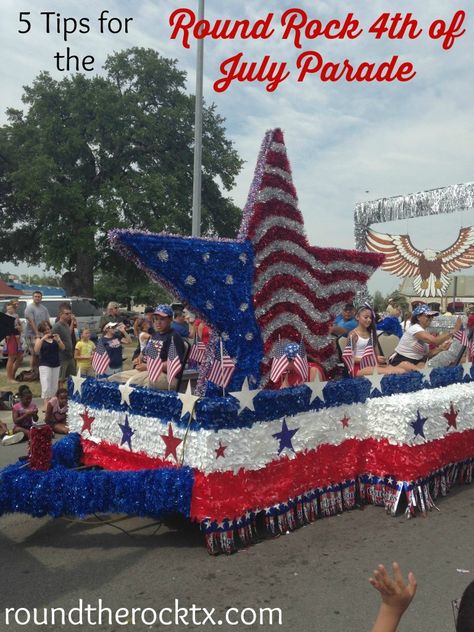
222,368
153,361
368,357
100,358
279,362
348,356
174,365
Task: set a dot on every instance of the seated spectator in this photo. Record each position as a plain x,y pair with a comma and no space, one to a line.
164,334
24,413
345,322
180,324
414,346
56,412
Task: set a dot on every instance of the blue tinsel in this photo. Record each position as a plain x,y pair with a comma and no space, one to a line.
214,413
62,491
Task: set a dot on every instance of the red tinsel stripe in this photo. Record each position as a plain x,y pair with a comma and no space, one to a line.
111,457
263,210
278,159
273,181
322,276
280,233
223,495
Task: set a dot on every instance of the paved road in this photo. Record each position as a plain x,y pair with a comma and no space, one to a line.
316,575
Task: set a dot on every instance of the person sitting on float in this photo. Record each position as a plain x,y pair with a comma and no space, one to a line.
414,346
364,334
164,334
292,377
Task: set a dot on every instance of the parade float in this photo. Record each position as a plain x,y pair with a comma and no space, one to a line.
248,459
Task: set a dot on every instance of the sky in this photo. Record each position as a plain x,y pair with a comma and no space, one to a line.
347,142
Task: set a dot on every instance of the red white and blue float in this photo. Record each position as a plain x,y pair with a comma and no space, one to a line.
250,457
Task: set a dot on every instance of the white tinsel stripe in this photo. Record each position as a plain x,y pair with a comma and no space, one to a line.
299,251
291,295
316,342
279,147
315,286
281,222
253,448
269,193
276,171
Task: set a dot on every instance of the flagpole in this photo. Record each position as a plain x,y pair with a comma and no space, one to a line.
221,347
197,172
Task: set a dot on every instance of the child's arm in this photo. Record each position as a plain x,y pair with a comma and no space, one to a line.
396,597
48,416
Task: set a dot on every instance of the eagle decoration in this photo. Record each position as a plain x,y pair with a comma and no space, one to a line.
429,268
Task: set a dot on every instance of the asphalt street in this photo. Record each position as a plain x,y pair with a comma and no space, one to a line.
316,575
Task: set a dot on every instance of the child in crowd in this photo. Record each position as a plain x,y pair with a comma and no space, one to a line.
56,412
24,412
83,353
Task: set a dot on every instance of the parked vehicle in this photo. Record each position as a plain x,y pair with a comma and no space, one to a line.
85,310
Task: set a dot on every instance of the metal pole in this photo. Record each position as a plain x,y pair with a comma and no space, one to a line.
197,173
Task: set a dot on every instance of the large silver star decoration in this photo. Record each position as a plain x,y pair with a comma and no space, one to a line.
245,396
466,369
316,387
188,400
125,391
77,381
375,378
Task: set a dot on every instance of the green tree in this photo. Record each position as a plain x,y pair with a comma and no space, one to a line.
92,154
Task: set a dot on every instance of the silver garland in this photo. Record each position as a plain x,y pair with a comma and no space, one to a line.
293,296
315,286
302,253
271,221
279,147
457,197
281,173
269,194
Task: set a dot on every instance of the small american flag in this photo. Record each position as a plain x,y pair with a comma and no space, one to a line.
301,363
348,356
100,358
462,337
153,361
368,357
174,365
279,362
198,351
221,369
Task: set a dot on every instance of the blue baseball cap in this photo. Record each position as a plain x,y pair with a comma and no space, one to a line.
163,310
424,310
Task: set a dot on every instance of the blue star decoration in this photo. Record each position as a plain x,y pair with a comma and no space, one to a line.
214,277
418,424
127,433
284,437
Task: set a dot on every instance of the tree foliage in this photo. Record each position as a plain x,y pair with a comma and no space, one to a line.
91,154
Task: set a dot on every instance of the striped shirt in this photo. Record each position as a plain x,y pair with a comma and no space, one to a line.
410,347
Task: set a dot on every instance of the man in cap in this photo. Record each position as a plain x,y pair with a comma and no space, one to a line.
112,314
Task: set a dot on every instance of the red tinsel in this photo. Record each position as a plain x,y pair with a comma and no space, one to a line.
40,447
227,495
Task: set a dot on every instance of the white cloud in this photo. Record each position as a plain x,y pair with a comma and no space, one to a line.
343,138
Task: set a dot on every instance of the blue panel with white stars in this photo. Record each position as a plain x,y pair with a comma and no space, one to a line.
215,277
